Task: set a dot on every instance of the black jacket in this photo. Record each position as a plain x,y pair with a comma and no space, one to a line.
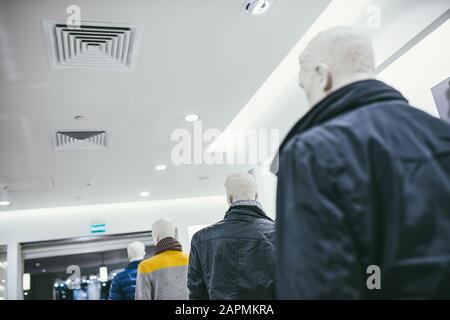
234,258
364,180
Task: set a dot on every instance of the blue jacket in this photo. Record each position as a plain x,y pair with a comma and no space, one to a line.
364,179
123,285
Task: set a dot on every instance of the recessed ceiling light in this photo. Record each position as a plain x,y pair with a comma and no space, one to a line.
161,167
191,117
5,203
144,194
257,7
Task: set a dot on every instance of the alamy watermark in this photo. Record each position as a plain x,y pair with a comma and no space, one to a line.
246,147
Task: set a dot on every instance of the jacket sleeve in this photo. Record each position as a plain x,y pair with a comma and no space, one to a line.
196,283
115,291
143,287
317,258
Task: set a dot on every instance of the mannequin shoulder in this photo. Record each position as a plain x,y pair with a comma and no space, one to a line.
163,260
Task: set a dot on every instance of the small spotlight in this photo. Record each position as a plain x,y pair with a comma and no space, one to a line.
161,167
5,203
191,117
144,194
257,7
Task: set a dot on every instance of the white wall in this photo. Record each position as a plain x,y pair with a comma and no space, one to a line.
67,222
421,68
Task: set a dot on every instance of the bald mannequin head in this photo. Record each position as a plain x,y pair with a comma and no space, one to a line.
163,228
136,251
241,186
334,58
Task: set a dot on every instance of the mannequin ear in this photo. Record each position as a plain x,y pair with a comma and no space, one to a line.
256,196
329,82
324,77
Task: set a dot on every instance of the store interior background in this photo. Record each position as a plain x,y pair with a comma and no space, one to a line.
242,72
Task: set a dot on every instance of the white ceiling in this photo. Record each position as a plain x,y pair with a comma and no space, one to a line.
197,56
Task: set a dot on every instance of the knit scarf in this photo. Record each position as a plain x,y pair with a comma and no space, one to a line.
168,243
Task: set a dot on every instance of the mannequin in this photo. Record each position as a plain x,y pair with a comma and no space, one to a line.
333,59
241,186
123,284
136,251
163,228
163,276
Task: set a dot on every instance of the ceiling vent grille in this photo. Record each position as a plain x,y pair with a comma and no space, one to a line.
92,45
80,140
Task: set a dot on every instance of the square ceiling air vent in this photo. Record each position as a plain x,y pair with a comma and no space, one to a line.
80,140
92,45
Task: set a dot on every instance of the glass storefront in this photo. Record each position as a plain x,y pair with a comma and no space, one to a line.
78,268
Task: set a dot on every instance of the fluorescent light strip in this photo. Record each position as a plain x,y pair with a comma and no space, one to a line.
336,13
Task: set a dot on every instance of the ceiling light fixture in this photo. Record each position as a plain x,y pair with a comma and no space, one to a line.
161,167
103,273
191,117
144,194
257,7
26,281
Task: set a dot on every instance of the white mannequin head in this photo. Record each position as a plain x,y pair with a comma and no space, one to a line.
163,228
136,251
334,58
241,186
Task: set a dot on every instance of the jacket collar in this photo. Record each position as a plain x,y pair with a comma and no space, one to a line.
247,203
133,264
248,210
346,99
